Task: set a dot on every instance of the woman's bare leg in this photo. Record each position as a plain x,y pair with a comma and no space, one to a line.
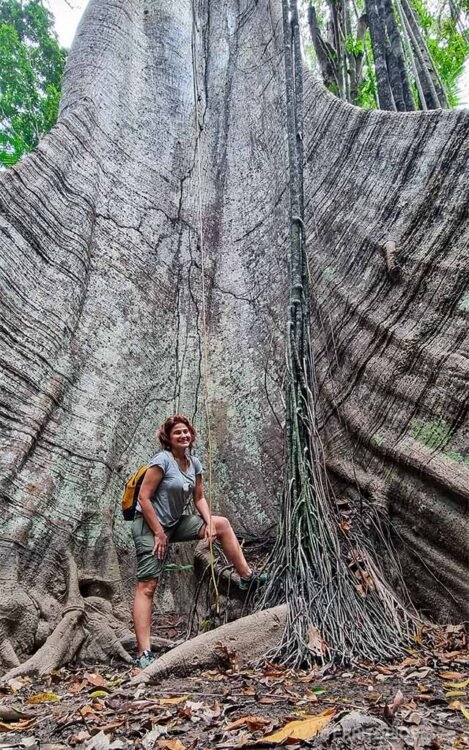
230,544
142,610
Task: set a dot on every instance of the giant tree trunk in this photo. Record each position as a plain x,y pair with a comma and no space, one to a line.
102,297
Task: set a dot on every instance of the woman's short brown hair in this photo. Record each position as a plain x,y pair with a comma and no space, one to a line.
165,430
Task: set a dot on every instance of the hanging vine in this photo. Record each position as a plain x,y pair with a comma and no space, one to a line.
323,564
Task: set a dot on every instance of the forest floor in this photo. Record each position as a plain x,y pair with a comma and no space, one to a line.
421,702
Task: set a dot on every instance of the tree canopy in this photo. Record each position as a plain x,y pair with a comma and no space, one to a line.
31,64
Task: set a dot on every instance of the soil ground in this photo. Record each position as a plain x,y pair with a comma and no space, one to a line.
420,703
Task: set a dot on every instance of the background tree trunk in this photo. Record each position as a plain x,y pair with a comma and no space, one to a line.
101,290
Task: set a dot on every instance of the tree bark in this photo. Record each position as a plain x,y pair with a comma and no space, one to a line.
379,45
101,302
431,83
399,78
325,54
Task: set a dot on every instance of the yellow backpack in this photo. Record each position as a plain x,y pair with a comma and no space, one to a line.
130,497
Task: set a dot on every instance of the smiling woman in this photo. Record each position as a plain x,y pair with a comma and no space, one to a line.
173,478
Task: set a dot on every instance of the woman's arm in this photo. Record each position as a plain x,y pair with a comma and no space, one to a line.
150,483
201,505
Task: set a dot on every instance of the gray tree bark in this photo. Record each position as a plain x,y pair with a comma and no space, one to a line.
102,297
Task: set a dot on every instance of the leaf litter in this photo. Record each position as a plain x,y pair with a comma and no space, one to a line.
407,705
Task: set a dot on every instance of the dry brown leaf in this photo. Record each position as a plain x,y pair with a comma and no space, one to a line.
311,677
172,701
383,670
112,725
86,710
413,718
266,699
80,737
302,729
77,687
43,698
460,707
316,644
94,679
17,726
390,710
252,722
229,653
8,713
452,675
171,745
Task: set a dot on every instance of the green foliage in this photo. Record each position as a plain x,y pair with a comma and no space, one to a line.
448,47
367,91
354,46
31,68
445,36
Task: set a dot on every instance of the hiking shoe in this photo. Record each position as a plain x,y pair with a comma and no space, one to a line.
144,660
254,580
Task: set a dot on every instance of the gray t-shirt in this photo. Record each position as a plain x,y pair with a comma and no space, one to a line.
175,490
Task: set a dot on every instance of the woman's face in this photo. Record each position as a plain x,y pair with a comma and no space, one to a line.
180,436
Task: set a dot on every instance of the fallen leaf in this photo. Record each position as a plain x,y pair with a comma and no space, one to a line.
8,713
86,710
171,745
418,635
252,722
390,710
452,675
316,644
99,694
17,726
303,729
80,737
266,699
311,677
148,741
460,707
77,687
98,742
173,701
112,725
228,653
413,718
94,679
463,684
418,674
383,670
43,698
455,693
424,688
17,683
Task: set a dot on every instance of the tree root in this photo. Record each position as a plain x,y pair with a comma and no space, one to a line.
86,628
244,640
60,647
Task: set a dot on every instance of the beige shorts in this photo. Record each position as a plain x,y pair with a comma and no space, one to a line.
148,566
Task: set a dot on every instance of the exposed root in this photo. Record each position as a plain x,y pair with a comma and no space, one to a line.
60,647
249,638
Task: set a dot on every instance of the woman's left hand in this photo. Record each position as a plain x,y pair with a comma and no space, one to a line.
210,531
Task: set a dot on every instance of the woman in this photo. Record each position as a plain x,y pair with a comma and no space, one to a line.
173,477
